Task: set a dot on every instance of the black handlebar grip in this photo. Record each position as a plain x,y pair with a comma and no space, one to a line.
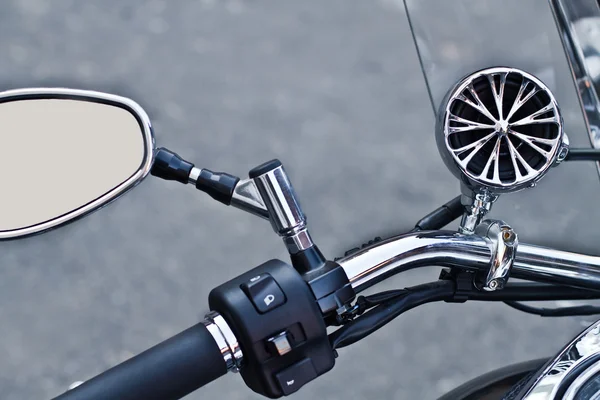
167,371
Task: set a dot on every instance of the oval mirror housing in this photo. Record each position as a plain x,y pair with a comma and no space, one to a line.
65,153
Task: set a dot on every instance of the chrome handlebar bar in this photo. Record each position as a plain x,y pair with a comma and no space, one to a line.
376,262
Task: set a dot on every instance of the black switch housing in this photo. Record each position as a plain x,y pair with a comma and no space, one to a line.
299,314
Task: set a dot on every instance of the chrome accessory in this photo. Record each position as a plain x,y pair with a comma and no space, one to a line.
131,182
284,212
380,260
194,174
298,241
226,340
579,384
582,350
500,130
503,243
246,198
279,197
477,205
281,343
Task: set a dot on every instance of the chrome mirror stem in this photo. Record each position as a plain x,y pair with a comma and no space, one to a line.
286,216
282,206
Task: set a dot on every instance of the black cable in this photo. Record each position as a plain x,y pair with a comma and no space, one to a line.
364,303
516,291
441,216
513,291
381,297
583,155
385,306
385,312
555,312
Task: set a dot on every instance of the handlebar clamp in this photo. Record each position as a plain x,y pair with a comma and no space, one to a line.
503,242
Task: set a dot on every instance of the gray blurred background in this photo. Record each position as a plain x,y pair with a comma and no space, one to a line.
333,89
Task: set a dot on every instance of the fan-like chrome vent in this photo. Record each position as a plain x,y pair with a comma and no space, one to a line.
501,129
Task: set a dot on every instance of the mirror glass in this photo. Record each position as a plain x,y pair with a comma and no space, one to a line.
64,153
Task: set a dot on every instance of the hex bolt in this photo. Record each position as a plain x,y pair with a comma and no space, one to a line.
508,235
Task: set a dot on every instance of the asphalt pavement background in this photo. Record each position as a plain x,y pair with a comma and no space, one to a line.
335,91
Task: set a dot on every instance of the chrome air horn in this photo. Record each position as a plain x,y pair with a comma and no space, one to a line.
499,130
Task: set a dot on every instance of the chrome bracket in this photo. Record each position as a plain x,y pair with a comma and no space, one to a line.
247,198
281,205
503,242
477,205
563,150
245,195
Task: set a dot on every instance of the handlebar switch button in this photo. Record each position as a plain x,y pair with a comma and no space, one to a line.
280,344
293,378
264,293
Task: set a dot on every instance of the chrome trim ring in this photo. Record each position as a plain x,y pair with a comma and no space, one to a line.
582,349
483,131
226,340
194,175
581,380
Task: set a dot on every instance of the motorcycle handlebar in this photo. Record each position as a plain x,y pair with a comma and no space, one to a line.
167,371
205,352
376,262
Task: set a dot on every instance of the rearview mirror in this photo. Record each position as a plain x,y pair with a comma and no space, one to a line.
65,153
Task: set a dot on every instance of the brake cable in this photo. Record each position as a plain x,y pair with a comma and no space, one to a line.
520,291
385,312
375,311
555,312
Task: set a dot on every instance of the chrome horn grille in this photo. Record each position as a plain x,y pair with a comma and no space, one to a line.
500,129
